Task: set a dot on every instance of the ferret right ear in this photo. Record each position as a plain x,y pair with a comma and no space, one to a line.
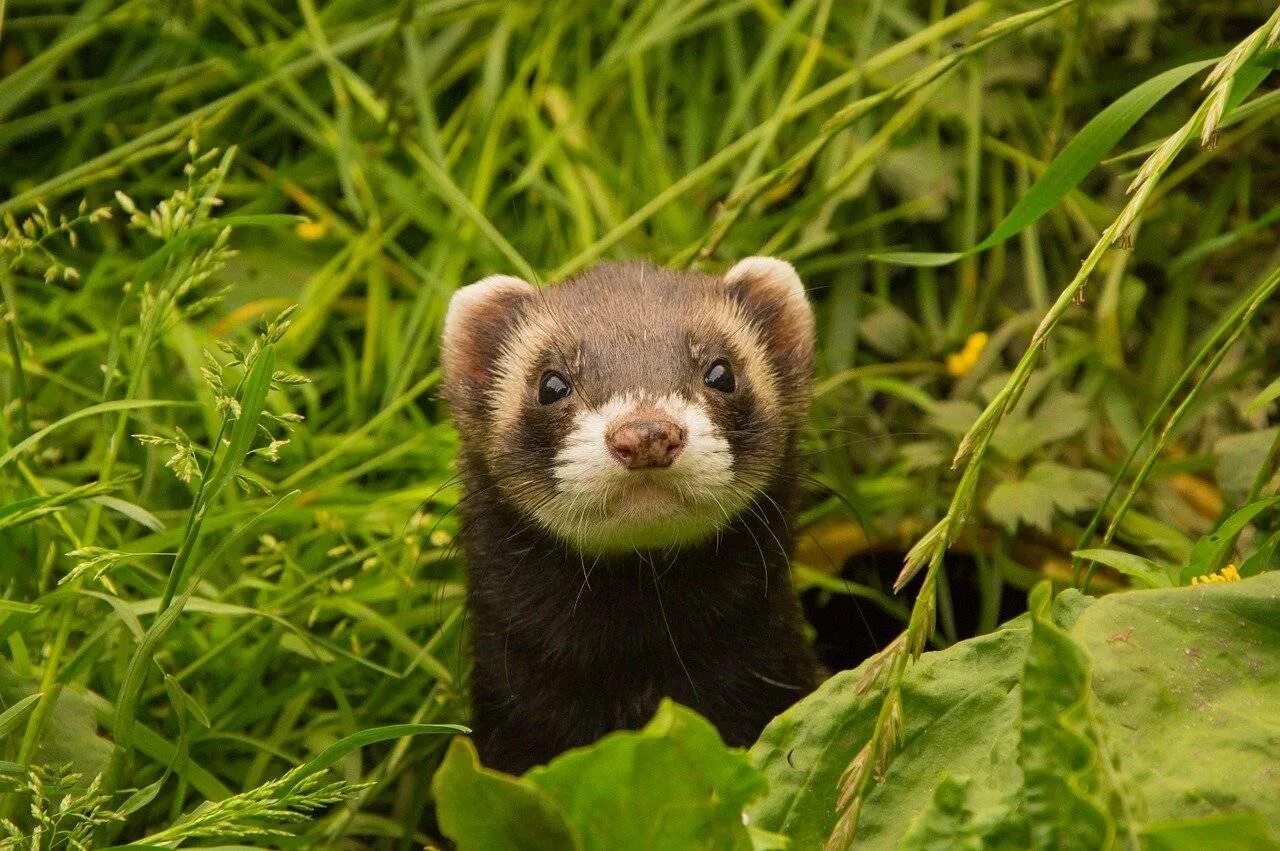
480,316
773,296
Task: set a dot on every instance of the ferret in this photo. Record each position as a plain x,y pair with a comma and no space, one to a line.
629,465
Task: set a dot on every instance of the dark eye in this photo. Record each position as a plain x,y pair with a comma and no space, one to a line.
552,388
720,377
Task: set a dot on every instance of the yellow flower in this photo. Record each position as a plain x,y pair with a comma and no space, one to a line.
1227,574
311,229
962,362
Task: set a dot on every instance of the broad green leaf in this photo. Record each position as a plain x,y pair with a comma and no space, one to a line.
1187,689
960,708
1080,488
1059,416
1047,488
673,784
1224,832
1182,691
1021,502
948,824
1079,157
482,810
1143,570
70,733
1062,792
766,840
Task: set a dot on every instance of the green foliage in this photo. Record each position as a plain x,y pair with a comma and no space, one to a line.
1225,832
227,531
1067,728
1081,726
1079,157
65,813
1047,488
1206,557
671,785
1061,798
482,808
1141,571
71,742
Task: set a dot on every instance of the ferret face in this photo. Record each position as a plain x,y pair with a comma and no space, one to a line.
631,407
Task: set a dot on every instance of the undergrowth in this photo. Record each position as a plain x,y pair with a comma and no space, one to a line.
232,599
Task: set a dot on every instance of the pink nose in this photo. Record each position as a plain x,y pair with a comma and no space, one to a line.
644,444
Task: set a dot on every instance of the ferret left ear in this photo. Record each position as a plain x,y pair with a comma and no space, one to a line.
772,294
479,318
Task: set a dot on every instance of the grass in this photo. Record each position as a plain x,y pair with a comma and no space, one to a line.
226,541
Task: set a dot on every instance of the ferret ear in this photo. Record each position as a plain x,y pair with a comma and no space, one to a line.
480,316
772,294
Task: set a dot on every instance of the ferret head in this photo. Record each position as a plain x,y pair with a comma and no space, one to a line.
631,407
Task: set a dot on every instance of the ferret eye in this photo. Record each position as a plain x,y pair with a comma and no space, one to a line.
720,377
552,388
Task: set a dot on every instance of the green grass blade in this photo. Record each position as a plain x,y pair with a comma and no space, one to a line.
336,751
1085,150
12,717
83,413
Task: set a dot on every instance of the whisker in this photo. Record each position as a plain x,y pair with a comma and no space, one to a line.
657,589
